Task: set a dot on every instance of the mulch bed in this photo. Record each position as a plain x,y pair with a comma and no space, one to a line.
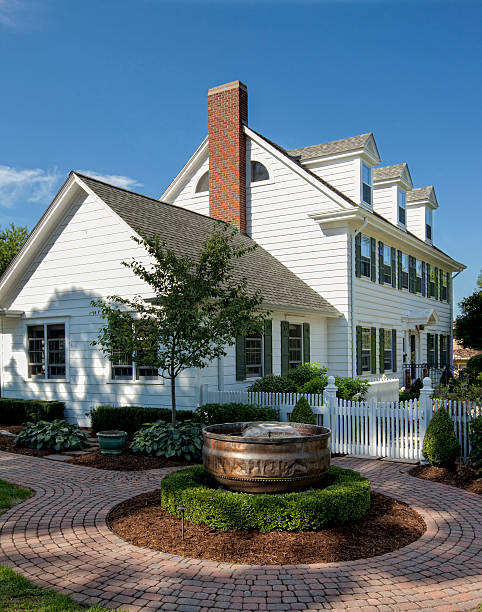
388,525
126,461
463,477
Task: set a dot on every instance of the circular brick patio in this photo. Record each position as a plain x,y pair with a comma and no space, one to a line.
59,539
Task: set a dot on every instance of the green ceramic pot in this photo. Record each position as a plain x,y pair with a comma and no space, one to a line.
111,442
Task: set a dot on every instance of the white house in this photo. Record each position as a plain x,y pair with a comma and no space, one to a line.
345,261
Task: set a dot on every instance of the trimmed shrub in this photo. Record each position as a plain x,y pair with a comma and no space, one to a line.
305,373
160,439
303,413
274,384
473,368
132,418
346,498
351,388
212,414
58,435
19,411
475,437
440,445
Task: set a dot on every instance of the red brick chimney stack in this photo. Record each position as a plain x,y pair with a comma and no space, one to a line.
227,111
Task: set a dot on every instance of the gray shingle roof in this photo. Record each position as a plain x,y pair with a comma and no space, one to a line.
389,172
331,148
421,193
184,232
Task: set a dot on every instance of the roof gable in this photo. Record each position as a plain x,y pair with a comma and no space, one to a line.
336,147
397,172
423,194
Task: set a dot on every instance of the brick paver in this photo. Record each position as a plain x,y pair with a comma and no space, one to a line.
59,539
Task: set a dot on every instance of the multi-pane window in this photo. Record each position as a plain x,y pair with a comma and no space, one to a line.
418,276
365,257
431,282
402,207
428,223
366,184
387,265
444,350
295,345
124,368
254,355
366,349
431,349
259,172
387,349
46,351
404,274
444,286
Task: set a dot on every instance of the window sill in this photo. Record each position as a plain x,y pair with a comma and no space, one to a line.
135,382
47,380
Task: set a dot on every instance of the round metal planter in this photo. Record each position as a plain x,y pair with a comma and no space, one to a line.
264,464
111,442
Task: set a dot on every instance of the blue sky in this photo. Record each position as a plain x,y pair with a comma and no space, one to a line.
118,88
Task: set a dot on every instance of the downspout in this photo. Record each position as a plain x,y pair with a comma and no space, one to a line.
352,289
451,348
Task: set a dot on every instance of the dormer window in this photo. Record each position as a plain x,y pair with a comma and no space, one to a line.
428,223
367,188
203,183
259,172
402,207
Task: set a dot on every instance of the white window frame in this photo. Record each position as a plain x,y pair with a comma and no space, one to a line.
405,272
290,362
387,249
444,285
401,205
45,321
249,183
363,182
365,240
366,352
200,194
387,353
261,364
134,379
428,223
419,261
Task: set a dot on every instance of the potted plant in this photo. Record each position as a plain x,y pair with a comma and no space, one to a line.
112,441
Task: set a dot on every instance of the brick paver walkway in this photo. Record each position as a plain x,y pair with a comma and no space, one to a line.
59,539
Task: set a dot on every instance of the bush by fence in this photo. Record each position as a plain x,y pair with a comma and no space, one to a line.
19,411
211,414
132,418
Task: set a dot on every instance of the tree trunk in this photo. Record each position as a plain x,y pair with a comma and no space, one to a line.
173,399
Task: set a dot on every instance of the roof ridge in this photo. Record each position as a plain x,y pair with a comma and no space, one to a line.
319,144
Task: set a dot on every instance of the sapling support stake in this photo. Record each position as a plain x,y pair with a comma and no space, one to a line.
181,510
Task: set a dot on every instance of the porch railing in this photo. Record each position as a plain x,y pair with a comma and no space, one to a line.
440,375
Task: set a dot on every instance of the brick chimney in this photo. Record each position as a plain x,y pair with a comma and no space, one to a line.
227,110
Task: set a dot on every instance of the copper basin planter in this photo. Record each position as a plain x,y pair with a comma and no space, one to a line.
262,464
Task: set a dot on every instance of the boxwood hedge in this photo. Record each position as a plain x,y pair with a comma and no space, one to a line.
132,418
15,411
346,498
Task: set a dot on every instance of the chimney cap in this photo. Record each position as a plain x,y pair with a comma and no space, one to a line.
227,86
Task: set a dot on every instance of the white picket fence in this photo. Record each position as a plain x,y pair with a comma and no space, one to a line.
368,428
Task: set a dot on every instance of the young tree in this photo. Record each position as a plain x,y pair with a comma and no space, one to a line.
199,309
468,325
11,241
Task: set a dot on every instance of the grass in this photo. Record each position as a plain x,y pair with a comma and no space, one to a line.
17,594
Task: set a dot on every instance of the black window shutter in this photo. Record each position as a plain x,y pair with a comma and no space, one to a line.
428,347
399,257
268,347
436,284
394,351
449,351
285,355
373,259
381,331
241,358
428,279
412,274
435,349
358,349
449,287
424,278
380,263
441,356
394,266
306,343
373,349
358,255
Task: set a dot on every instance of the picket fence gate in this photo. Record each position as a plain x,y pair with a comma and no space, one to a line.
365,428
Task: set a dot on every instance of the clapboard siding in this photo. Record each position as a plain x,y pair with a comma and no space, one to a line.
416,220
81,262
385,202
342,174
187,196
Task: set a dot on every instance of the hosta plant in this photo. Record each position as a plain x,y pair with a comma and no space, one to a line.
57,435
160,439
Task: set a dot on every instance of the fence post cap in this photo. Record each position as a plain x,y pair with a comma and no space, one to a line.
331,380
427,382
